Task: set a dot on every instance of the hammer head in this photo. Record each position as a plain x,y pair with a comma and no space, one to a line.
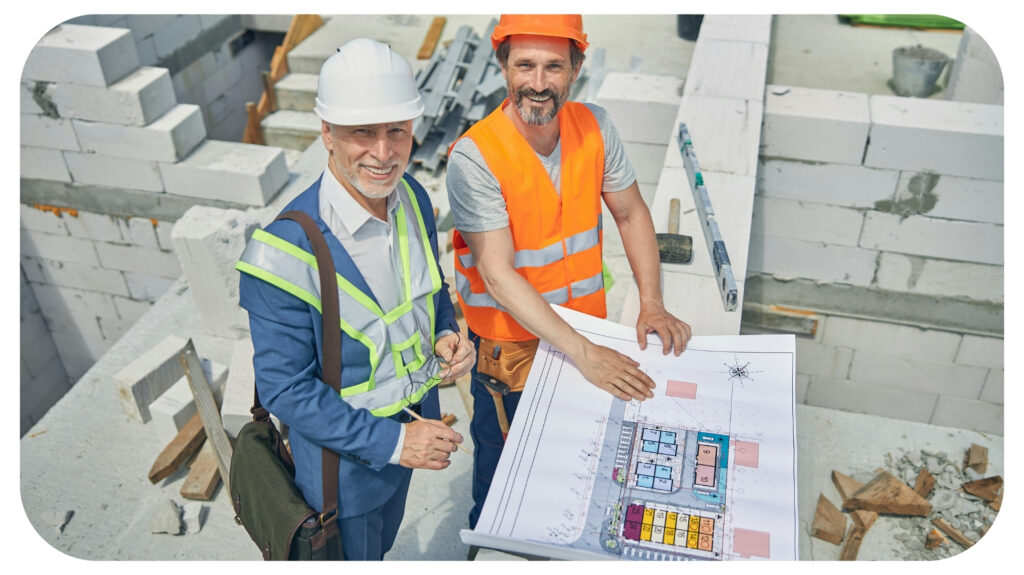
675,248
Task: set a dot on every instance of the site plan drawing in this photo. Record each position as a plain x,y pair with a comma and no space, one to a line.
706,469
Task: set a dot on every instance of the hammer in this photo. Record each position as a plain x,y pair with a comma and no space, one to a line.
673,247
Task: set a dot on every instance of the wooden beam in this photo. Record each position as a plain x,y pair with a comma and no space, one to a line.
852,545
847,486
887,494
204,476
829,522
448,419
253,129
976,458
952,532
209,412
987,489
924,483
184,444
433,35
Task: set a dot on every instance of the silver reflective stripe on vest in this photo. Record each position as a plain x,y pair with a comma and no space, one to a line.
574,244
557,297
401,341
593,284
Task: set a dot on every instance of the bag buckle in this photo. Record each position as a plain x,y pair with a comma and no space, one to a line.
327,518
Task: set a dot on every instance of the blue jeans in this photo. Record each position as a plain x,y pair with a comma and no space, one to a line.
486,435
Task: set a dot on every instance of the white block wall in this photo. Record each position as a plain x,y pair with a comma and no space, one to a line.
887,195
100,115
43,378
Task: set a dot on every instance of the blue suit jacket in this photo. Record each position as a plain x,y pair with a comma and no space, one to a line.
286,335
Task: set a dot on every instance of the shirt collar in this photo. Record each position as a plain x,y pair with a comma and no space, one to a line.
349,212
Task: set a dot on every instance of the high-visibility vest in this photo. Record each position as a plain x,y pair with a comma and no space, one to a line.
400,342
557,236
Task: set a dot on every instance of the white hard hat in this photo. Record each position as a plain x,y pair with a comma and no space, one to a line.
366,82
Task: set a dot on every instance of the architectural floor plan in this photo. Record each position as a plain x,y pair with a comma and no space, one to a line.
704,470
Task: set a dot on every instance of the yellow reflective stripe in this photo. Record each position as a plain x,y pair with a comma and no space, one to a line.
401,368
435,276
312,300
279,282
403,250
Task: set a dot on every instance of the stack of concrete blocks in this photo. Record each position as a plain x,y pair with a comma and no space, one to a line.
975,75
174,407
882,217
214,60
109,161
642,107
722,107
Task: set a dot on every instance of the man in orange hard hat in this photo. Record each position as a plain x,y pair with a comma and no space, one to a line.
525,186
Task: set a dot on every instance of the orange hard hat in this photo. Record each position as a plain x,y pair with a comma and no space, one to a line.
561,25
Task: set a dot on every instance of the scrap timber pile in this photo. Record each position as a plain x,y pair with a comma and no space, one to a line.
459,85
949,508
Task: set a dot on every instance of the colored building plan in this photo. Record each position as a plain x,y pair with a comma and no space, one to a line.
705,470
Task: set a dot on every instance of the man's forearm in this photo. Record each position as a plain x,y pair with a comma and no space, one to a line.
641,247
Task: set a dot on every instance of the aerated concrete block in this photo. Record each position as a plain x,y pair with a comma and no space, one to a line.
981,351
238,389
208,241
872,398
642,107
33,218
725,133
909,341
972,414
807,221
228,171
940,278
949,197
172,410
137,99
58,247
44,164
951,138
727,69
835,184
933,237
993,390
815,125
917,374
146,378
646,159
789,258
93,226
296,92
814,358
46,132
91,55
169,138
67,274
138,259
114,171
146,287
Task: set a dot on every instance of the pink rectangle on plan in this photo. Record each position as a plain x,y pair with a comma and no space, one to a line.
682,389
747,543
746,453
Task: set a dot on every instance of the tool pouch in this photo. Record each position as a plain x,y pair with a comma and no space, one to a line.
512,364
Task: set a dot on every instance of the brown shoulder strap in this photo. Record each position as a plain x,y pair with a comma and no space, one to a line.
331,331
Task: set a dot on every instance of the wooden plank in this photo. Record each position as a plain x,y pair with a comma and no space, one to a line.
924,483
887,494
184,444
253,129
847,486
448,419
952,532
852,545
208,409
934,539
829,522
268,90
976,458
987,489
204,476
430,40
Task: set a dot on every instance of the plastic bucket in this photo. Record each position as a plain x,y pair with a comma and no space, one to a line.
915,69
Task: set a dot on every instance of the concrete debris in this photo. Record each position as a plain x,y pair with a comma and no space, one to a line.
961,516
194,515
166,519
57,519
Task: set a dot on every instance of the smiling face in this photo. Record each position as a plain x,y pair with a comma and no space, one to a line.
538,72
368,159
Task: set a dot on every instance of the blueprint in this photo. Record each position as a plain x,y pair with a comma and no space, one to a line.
705,470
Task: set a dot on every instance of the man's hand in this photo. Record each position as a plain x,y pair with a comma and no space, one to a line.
674,333
458,352
428,444
614,372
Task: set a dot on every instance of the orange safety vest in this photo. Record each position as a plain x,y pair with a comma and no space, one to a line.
557,237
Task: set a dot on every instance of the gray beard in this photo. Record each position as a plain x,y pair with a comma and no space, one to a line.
537,117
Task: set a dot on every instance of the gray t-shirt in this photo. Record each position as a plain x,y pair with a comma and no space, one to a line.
475,196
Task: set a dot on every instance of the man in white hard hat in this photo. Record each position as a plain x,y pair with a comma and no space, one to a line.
399,336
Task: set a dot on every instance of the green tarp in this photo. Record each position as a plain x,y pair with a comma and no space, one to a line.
905,20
